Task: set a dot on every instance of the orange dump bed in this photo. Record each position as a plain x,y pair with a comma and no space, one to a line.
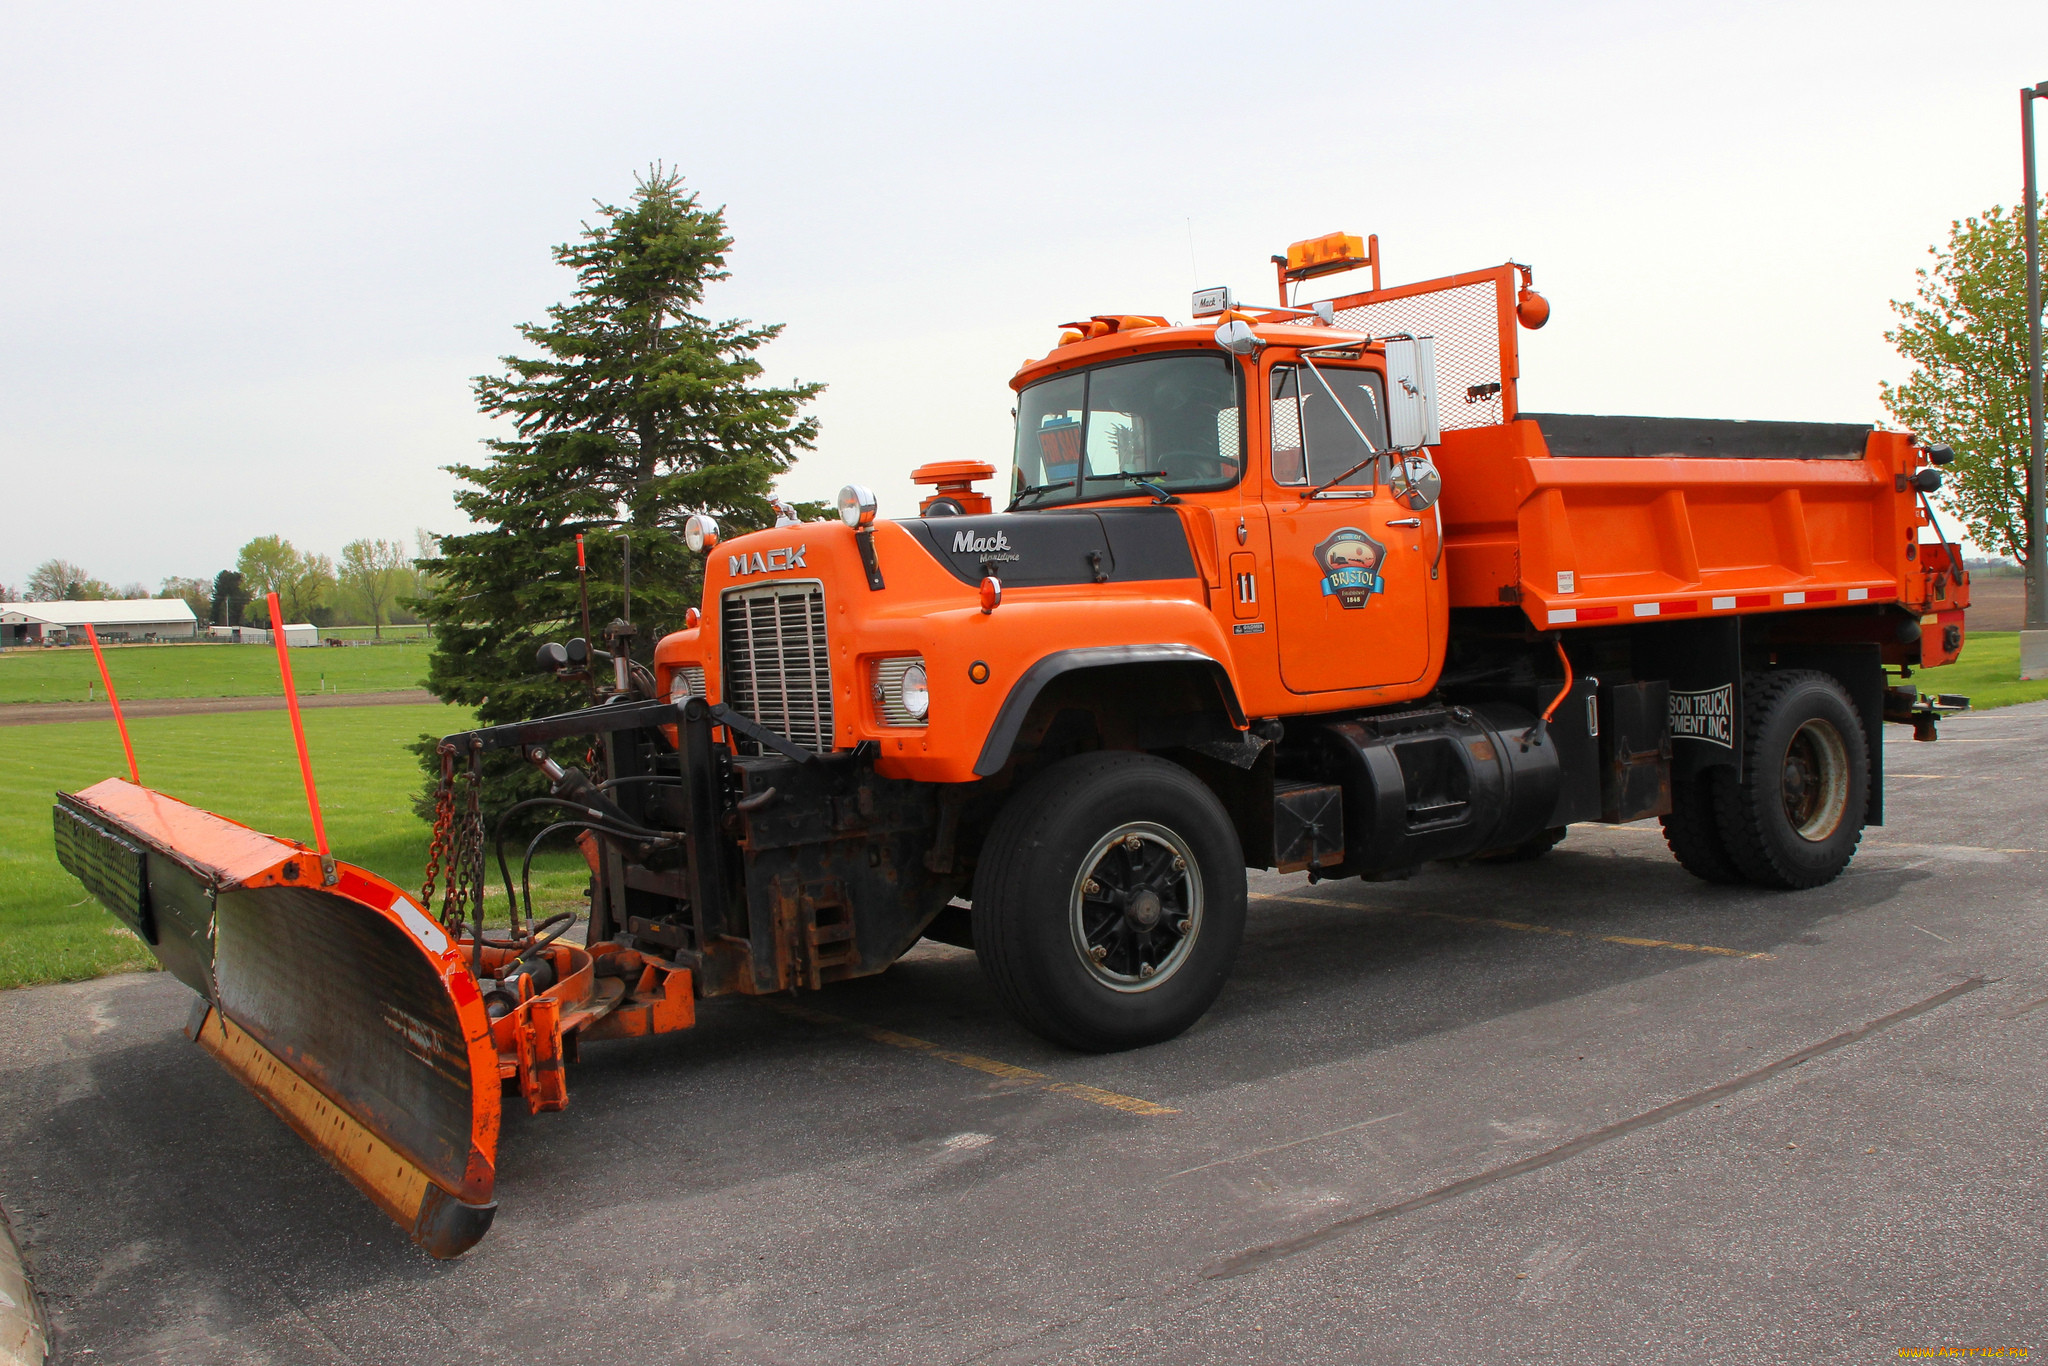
1587,521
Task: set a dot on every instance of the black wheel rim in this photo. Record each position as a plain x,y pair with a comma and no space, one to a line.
1136,907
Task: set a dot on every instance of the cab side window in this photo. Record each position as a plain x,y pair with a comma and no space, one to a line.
1313,442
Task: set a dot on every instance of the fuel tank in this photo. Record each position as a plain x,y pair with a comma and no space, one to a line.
1450,781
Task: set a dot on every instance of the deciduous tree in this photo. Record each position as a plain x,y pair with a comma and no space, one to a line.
270,564
1965,333
374,573
62,581
197,594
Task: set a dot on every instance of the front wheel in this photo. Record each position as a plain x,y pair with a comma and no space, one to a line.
1109,901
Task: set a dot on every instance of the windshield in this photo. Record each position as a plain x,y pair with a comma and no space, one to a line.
1312,442
1169,420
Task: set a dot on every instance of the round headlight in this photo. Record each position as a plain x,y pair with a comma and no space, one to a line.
700,532
916,693
856,506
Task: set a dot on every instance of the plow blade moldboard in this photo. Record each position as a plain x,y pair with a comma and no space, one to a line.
343,1007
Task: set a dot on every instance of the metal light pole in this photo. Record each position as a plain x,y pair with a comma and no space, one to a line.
2037,589
2034,647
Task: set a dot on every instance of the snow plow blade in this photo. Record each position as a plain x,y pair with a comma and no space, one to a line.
330,994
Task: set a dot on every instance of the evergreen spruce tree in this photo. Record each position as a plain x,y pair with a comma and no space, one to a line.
636,412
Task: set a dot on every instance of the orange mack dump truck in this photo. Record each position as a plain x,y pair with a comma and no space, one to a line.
1292,587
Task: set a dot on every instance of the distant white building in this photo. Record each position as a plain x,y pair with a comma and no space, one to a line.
295,634
35,623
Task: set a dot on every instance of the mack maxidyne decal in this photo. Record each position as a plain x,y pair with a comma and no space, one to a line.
967,543
1708,716
766,562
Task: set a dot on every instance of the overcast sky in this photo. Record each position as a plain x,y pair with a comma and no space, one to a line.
253,254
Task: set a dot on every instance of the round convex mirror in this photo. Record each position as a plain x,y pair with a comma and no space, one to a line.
1416,483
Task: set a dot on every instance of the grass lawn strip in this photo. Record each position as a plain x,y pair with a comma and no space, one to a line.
64,675
242,765
1988,673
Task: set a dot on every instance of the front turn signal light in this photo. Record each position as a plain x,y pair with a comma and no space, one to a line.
991,594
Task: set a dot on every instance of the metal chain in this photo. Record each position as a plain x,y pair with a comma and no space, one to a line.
466,868
444,818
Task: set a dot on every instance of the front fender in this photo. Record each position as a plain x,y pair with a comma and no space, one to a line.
1002,736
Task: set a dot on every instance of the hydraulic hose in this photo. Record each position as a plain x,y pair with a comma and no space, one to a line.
1566,690
592,819
1534,735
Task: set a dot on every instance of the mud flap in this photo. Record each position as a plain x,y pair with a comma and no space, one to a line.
343,1007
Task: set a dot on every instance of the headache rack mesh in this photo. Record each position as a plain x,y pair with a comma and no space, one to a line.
777,668
1472,318
1465,320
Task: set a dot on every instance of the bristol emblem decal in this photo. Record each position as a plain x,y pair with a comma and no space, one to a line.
1351,561
1708,715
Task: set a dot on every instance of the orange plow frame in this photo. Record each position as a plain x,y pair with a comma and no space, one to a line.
346,1008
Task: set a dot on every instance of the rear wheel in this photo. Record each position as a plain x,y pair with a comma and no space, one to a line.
1109,901
1796,817
1693,831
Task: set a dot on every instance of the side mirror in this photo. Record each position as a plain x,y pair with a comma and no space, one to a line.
1411,393
1237,337
1416,483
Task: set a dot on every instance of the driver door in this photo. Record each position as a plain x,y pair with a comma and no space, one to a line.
1350,571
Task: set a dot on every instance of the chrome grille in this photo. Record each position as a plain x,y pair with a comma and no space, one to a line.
777,668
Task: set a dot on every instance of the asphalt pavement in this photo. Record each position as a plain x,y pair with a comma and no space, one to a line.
1586,1109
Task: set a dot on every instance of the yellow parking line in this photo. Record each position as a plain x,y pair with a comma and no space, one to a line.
1525,928
1095,1095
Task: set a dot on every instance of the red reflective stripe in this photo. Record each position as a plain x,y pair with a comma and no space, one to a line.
1820,595
1598,613
1753,600
1680,605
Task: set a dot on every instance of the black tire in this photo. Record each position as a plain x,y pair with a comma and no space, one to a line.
1693,830
1034,903
1795,819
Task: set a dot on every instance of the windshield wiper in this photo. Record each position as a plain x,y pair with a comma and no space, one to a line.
1139,475
1030,489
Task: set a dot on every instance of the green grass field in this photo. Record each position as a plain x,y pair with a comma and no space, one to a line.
240,764
1988,673
63,675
